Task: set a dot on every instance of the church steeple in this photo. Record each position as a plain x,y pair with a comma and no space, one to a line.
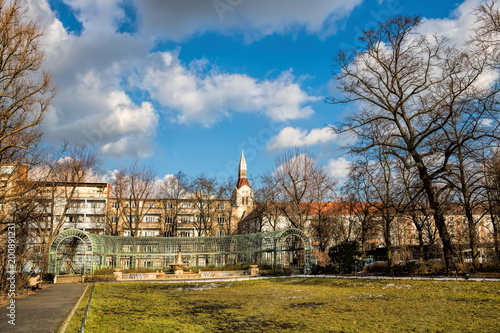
243,194
242,172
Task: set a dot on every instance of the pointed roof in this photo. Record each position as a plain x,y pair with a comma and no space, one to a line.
242,182
243,164
242,172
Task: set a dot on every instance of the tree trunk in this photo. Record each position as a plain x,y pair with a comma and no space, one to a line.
437,213
473,238
388,241
420,245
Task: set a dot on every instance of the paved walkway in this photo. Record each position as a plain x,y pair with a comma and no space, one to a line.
43,311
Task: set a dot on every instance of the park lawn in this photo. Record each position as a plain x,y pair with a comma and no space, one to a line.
294,305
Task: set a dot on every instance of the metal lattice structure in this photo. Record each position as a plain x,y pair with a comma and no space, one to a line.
77,251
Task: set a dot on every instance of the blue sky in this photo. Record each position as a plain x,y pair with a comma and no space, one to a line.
186,85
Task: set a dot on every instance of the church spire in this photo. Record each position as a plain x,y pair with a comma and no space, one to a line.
242,172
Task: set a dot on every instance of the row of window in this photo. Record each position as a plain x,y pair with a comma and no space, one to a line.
89,204
168,205
169,219
152,233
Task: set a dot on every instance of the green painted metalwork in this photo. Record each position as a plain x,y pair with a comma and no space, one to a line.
289,248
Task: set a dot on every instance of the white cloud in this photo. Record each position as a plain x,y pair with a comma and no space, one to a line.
338,168
457,28
208,98
92,106
294,137
138,144
98,15
90,113
177,20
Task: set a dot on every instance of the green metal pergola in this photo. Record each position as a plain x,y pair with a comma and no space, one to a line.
77,251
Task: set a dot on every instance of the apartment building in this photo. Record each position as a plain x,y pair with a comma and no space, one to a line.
190,215
66,205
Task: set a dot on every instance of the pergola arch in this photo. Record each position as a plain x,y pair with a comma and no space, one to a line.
282,248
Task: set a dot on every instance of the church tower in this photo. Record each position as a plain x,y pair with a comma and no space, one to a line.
243,194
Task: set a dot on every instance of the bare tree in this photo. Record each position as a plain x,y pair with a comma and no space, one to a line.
296,178
487,34
411,87
131,188
226,220
172,191
268,206
322,213
492,185
207,195
26,93
361,219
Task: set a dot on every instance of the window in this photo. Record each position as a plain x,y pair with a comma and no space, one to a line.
169,219
96,204
221,219
169,205
220,206
186,233
221,233
116,204
114,219
186,219
150,234
77,204
186,205
126,233
150,219
151,205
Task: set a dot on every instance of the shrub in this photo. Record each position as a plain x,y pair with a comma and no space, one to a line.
49,277
490,268
277,272
346,255
265,266
232,267
379,267
99,278
141,270
103,271
435,266
328,269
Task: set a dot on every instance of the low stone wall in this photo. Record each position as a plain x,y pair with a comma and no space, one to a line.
67,279
223,274
159,276
137,276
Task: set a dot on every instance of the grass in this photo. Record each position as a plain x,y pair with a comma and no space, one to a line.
295,305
